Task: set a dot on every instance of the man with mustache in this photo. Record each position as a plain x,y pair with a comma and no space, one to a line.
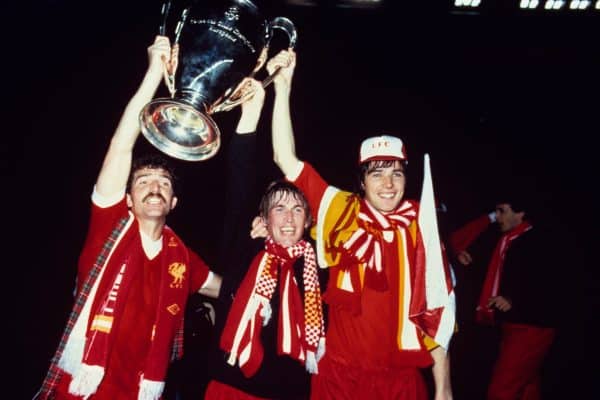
134,273
381,328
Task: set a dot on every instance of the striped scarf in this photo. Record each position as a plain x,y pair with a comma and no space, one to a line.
365,245
88,372
54,372
485,315
300,324
352,238
427,296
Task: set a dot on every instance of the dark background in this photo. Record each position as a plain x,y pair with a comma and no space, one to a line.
496,98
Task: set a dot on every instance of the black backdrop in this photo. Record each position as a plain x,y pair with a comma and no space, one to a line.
492,99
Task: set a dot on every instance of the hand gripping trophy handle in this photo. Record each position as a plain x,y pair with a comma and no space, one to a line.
217,44
288,27
240,95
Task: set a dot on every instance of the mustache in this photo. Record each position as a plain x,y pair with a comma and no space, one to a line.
154,195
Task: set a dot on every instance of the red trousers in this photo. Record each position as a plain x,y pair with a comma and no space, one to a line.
336,381
516,374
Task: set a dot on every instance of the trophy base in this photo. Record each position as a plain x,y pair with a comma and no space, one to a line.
179,130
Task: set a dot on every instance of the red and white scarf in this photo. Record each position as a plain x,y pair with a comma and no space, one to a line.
87,349
300,324
483,314
430,288
366,243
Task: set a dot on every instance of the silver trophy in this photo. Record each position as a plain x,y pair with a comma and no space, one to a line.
220,42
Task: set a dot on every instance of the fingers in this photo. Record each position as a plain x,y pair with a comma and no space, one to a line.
251,85
251,94
163,60
161,45
259,228
257,221
159,53
499,303
285,59
464,258
173,60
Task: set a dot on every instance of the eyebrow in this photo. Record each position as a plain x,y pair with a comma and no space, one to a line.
279,204
162,175
375,169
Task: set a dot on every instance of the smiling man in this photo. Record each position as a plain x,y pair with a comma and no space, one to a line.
379,327
273,330
270,316
285,211
134,273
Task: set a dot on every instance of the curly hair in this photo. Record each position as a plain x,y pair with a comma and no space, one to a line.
153,161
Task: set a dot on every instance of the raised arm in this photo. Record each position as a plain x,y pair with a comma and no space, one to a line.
251,108
241,175
462,238
284,150
240,187
117,162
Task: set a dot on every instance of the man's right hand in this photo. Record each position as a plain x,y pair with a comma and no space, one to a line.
285,60
251,107
162,59
259,228
464,258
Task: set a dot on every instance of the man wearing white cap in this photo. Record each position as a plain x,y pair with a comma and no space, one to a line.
391,309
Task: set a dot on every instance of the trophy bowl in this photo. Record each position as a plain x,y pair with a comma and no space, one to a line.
180,130
220,43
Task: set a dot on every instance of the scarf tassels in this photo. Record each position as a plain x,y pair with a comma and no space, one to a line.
86,380
150,390
89,372
300,324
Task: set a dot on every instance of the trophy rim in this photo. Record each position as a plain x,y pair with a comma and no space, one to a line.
161,140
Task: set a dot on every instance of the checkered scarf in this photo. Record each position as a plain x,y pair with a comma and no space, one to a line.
300,324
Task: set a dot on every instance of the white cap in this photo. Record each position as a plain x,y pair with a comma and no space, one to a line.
382,147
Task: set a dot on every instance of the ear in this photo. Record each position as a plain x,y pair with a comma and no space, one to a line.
173,202
129,201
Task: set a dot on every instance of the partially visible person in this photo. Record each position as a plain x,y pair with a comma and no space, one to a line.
134,273
269,315
472,341
382,317
517,295
462,238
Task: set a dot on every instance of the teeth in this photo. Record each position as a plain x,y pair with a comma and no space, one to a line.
287,230
387,195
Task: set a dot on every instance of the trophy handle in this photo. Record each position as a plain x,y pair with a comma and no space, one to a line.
169,71
286,25
240,95
164,14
